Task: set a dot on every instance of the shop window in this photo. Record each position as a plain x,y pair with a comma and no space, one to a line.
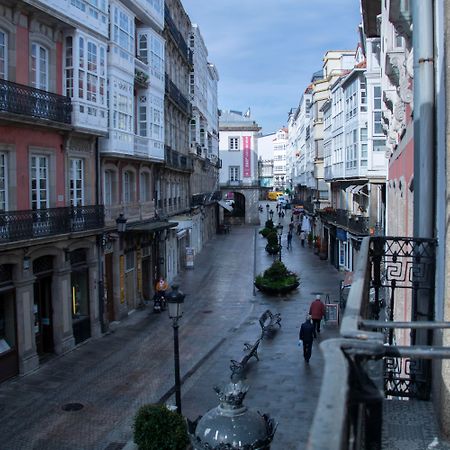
80,295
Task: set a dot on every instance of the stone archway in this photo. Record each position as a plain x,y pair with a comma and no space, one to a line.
245,202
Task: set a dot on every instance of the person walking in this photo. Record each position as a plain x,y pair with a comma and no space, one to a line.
302,238
289,240
307,335
317,312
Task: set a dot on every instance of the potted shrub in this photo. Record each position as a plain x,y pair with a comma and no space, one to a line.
156,427
277,279
272,246
268,228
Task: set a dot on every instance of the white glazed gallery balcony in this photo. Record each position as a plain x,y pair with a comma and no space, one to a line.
89,116
86,14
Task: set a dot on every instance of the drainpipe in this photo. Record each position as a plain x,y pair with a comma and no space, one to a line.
100,250
424,170
424,151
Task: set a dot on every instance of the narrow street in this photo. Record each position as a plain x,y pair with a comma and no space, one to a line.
110,377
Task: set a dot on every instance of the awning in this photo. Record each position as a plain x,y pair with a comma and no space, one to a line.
225,205
357,189
151,227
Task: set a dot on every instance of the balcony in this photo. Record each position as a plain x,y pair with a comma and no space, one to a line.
400,16
239,183
141,79
177,97
176,160
375,364
31,224
354,223
134,212
35,104
177,36
205,198
147,148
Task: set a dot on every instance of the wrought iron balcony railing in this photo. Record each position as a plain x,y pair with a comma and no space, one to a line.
373,359
205,198
354,223
30,224
178,161
177,97
177,36
239,183
28,101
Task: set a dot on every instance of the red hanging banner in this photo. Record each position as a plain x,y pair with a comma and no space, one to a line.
246,154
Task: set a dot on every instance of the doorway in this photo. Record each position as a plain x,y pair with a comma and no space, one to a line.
9,361
43,315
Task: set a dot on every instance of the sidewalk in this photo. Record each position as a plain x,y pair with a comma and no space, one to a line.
110,377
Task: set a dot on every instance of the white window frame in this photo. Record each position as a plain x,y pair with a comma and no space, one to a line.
108,187
3,54
156,117
142,47
123,30
144,186
234,173
128,186
89,70
157,56
4,181
142,120
234,143
39,174
76,182
39,67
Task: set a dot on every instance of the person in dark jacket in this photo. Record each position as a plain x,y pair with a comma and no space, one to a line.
317,311
307,335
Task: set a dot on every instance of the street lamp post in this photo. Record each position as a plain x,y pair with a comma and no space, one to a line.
175,299
279,232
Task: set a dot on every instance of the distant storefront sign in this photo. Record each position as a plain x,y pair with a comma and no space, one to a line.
341,234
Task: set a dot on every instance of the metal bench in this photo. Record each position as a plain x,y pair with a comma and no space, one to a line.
251,351
268,321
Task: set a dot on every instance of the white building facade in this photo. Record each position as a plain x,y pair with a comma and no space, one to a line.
238,151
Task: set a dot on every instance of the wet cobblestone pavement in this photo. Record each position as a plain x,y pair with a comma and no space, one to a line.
113,375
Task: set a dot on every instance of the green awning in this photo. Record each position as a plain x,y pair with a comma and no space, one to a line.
151,227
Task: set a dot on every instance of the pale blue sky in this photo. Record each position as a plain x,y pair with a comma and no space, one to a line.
266,51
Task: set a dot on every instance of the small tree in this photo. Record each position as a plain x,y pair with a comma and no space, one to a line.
157,428
272,246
